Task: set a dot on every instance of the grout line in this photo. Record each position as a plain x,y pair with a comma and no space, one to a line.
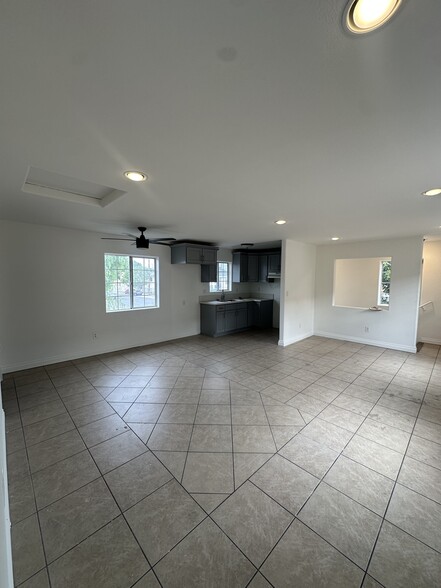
396,481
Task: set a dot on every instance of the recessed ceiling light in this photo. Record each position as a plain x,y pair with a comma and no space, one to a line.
432,192
335,238
363,16
135,176
280,222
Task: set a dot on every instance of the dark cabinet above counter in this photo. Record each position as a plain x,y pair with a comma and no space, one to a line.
209,272
245,267
256,266
193,253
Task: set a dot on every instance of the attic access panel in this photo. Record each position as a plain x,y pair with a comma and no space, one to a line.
52,185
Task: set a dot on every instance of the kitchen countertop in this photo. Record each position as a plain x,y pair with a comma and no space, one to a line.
235,301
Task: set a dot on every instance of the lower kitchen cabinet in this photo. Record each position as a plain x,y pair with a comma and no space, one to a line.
220,319
260,314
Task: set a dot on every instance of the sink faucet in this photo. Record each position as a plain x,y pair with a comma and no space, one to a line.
222,296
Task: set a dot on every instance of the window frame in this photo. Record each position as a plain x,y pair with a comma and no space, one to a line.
381,282
131,258
214,286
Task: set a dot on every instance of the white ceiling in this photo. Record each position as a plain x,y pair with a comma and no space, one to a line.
240,111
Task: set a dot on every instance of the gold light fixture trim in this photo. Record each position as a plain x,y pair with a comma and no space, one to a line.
364,16
135,176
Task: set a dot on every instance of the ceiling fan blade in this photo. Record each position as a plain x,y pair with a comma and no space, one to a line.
160,242
162,239
114,239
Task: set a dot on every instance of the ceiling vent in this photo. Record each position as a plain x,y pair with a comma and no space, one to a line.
44,183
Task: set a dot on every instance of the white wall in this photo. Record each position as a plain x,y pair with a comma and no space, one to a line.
395,328
297,291
52,297
429,328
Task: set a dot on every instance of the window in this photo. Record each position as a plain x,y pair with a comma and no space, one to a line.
131,282
223,277
384,282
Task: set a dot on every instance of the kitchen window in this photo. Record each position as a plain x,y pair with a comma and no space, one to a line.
223,278
132,282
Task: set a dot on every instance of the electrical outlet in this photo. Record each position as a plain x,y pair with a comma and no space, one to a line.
94,336
366,329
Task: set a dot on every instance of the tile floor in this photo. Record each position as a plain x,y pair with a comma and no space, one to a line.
228,462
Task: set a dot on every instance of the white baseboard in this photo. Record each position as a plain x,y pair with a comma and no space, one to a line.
88,352
386,344
291,340
428,340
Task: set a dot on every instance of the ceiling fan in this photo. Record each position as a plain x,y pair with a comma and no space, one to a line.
141,241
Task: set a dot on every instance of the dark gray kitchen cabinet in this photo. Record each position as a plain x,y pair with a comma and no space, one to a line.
209,272
220,323
242,318
245,267
274,263
253,268
220,319
263,268
190,253
240,267
230,320
260,314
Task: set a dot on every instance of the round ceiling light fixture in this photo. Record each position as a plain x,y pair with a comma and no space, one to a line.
432,192
364,16
335,238
280,222
135,176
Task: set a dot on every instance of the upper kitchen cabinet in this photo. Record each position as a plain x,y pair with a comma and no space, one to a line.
245,267
209,272
259,265
263,267
274,263
193,253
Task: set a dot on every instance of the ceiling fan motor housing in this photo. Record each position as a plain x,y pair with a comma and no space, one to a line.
142,242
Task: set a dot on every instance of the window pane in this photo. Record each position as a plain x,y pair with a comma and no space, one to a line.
223,277
385,294
386,271
384,285
121,293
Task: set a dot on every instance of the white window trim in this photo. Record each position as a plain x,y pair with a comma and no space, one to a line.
230,278
131,256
